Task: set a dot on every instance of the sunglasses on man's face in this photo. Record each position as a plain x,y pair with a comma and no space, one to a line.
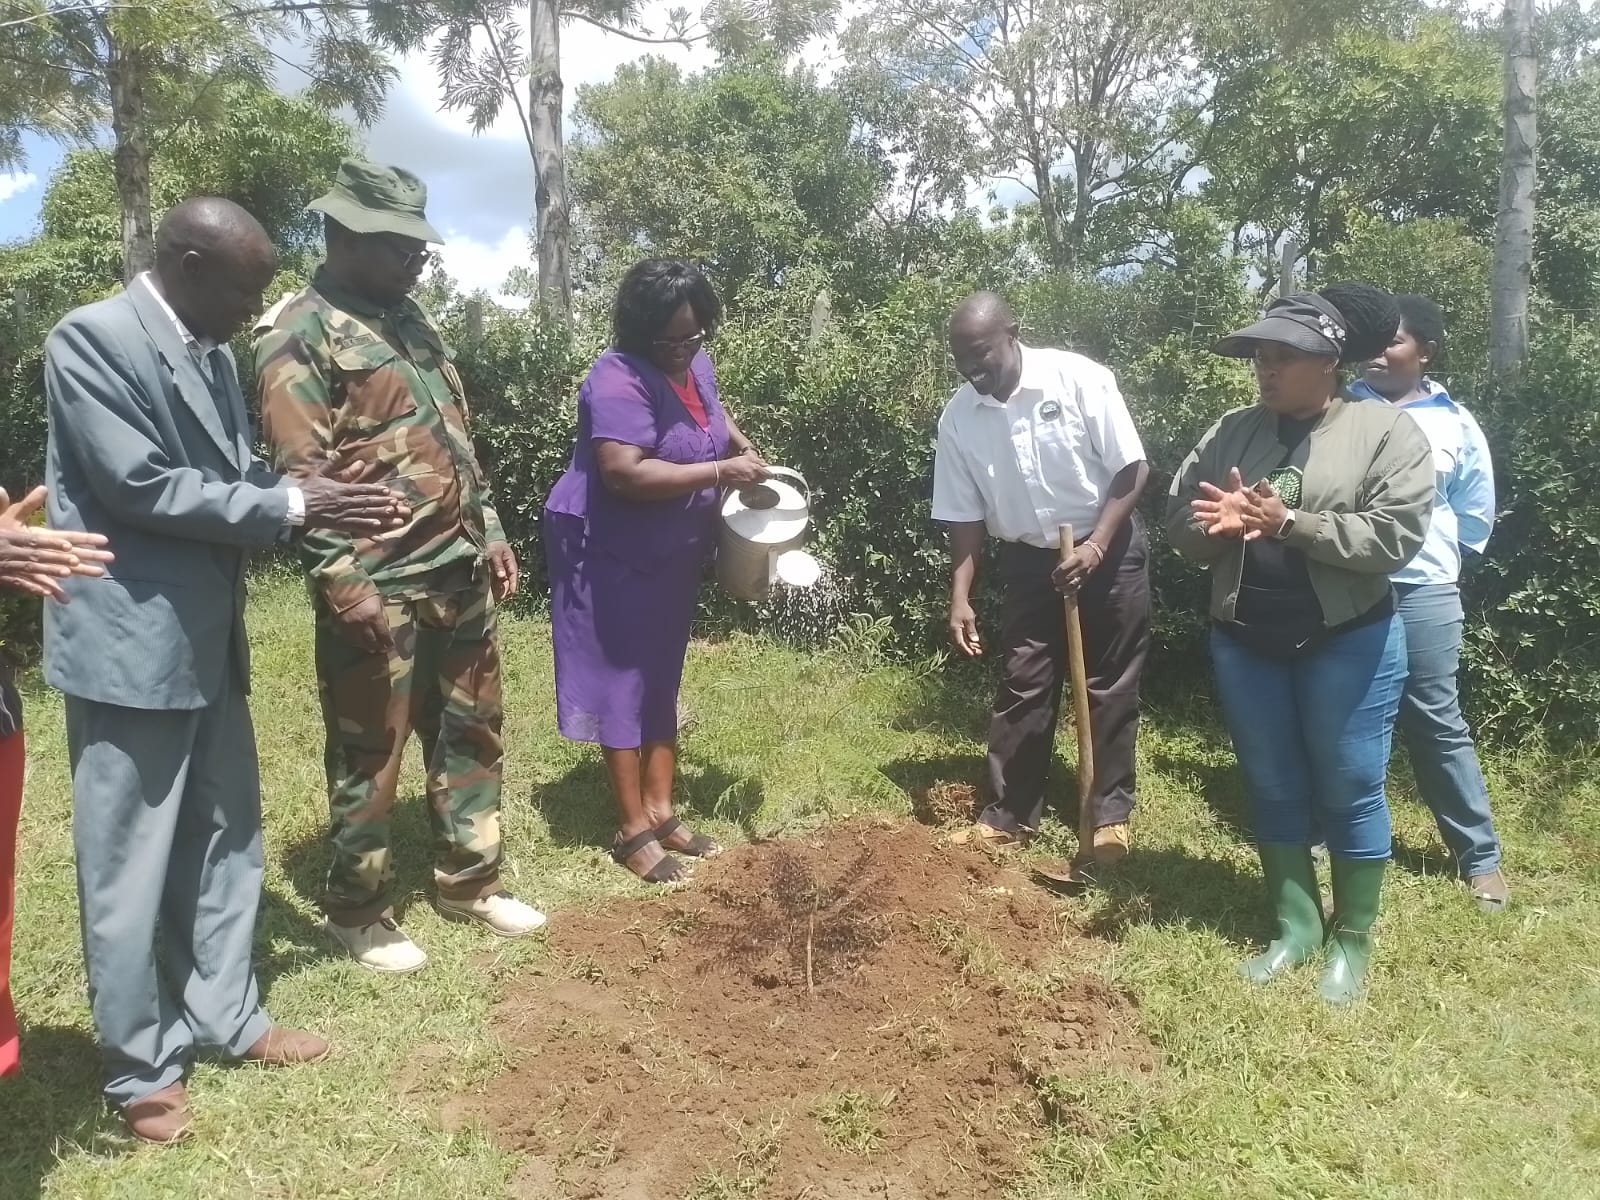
692,342
409,257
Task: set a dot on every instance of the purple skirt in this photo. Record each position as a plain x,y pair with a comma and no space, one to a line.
620,635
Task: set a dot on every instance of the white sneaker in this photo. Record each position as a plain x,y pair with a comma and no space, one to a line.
380,946
502,913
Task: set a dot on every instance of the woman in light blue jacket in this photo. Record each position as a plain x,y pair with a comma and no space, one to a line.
1437,739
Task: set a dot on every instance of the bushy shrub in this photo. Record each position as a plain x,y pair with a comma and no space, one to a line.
1533,603
852,403
522,378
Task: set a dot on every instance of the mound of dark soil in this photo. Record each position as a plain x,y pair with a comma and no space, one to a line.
865,1012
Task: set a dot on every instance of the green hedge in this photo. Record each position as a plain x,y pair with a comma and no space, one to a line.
855,409
853,406
1533,603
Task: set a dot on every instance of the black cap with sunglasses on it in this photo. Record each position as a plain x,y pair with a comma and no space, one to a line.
1304,322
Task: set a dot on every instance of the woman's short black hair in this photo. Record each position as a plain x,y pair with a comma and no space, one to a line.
1423,319
1370,315
651,292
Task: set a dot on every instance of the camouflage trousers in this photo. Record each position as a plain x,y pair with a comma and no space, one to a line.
442,681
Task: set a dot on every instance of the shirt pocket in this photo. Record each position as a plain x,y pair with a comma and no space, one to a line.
374,388
457,386
443,358
1060,438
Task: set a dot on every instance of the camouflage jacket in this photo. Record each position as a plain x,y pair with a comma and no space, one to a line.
339,378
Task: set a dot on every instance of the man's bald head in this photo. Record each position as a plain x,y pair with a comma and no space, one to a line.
983,312
983,340
214,261
209,225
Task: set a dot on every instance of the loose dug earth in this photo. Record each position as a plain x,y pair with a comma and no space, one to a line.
866,1012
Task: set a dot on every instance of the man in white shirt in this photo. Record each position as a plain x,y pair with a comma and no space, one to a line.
1034,440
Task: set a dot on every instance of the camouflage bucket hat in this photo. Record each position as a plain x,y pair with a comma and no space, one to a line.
367,197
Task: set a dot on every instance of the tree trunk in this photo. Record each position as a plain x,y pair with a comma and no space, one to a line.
553,229
1040,160
1044,187
1083,158
131,158
1513,229
1289,256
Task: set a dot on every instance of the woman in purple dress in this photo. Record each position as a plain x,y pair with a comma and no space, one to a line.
629,529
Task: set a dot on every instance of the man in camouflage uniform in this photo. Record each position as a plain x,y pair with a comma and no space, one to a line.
352,370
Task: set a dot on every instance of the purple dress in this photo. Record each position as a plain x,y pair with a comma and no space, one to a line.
624,573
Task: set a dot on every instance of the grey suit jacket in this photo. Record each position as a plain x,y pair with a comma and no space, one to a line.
139,451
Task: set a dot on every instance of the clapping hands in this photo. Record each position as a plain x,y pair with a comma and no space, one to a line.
1240,512
34,559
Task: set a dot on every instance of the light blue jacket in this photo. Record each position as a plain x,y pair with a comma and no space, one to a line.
1463,506
143,452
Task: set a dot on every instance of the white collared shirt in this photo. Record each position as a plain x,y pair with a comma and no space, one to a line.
1042,459
201,348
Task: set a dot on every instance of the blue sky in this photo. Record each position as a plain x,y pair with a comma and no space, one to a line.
22,189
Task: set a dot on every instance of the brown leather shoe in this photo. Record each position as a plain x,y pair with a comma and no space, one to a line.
988,837
284,1047
1111,844
161,1118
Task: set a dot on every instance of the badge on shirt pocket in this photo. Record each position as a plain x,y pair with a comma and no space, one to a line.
1050,410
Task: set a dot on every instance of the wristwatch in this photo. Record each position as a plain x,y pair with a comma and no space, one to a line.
1287,527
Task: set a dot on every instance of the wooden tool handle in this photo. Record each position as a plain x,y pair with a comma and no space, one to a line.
1080,712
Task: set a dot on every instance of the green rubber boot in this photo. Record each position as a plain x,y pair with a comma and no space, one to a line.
1292,889
1357,887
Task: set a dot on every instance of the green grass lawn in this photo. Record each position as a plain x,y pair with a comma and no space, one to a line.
1471,1071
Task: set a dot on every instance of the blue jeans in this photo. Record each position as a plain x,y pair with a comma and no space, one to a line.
1312,735
1435,733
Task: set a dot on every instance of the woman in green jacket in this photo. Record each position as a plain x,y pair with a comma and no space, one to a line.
1302,506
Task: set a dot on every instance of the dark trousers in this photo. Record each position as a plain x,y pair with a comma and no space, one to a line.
1114,609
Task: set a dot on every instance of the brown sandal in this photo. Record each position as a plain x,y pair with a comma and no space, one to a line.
668,871
700,846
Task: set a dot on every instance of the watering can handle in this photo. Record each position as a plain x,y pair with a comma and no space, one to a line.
791,473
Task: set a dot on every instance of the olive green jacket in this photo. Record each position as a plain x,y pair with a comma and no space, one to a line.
1366,499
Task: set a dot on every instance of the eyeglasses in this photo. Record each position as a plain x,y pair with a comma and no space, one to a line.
407,257
692,342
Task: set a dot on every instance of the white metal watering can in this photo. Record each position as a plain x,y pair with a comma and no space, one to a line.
759,534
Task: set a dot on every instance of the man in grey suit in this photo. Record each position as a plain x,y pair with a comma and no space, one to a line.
150,445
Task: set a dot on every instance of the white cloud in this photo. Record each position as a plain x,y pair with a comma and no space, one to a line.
588,55
481,186
14,183
478,265
822,54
